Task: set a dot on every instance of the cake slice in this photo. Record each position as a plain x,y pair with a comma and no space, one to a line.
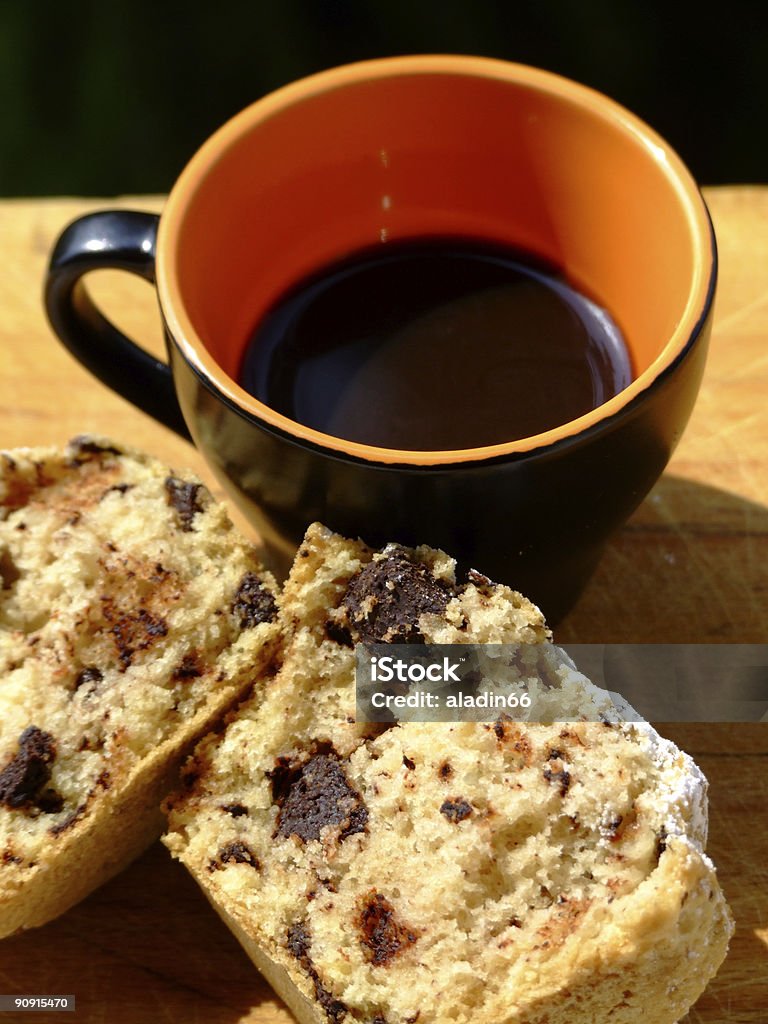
132,616
465,872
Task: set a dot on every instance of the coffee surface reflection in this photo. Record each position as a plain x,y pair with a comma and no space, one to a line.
435,345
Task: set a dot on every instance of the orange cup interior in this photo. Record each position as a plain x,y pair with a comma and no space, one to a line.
397,149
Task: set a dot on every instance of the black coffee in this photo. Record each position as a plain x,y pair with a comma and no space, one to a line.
435,345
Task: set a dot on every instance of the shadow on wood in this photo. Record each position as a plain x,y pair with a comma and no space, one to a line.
676,571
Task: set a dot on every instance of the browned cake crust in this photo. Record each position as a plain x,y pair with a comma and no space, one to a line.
445,873
132,616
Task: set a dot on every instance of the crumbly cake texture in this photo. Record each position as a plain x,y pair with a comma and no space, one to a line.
464,872
132,616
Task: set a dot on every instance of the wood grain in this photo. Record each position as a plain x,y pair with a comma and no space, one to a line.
691,565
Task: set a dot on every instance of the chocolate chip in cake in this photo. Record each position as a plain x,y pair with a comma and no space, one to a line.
234,853
338,633
9,571
117,488
661,842
409,764
514,739
182,496
456,810
484,585
132,632
479,579
313,795
69,820
563,776
88,676
382,934
236,810
298,943
386,598
29,770
49,801
622,824
190,667
253,603
83,449
557,772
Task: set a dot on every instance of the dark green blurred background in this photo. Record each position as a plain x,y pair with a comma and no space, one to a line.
104,98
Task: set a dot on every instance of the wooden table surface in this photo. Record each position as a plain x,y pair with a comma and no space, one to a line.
690,566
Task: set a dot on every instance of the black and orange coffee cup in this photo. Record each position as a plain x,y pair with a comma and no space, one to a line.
461,147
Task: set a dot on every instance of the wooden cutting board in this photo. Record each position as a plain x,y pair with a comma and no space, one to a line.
691,566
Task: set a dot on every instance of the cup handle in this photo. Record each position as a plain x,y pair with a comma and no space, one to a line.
122,240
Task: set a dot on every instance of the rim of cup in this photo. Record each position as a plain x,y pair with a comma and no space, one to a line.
668,163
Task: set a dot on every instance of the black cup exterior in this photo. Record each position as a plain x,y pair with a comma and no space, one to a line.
537,521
